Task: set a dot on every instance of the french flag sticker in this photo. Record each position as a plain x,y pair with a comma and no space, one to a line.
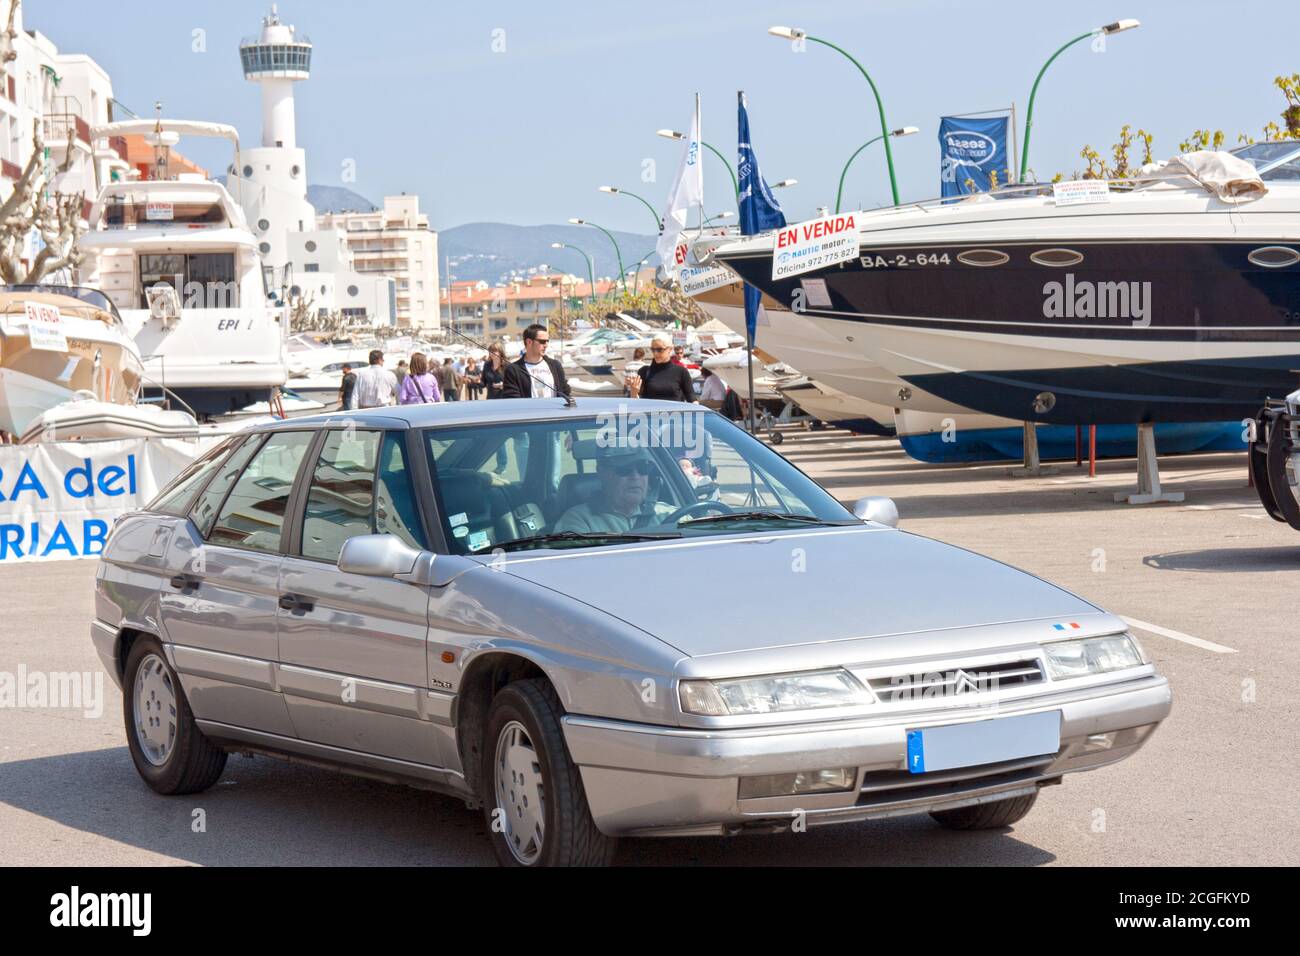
1065,627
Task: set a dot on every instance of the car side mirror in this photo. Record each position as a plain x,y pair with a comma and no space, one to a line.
383,556
877,508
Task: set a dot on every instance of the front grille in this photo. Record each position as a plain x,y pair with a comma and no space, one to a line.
894,786
955,681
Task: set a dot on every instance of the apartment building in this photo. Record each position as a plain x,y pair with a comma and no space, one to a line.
479,310
396,241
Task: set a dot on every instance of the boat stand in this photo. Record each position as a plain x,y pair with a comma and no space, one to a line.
1033,466
1148,489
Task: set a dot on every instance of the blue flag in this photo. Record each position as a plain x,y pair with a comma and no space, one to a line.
972,152
759,210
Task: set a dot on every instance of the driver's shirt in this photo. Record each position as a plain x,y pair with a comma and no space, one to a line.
591,518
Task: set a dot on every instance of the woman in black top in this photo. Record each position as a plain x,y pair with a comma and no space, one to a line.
663,379
492,378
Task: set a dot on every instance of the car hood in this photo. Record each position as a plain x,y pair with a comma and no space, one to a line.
735,593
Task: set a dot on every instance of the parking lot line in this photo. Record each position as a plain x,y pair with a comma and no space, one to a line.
1179,636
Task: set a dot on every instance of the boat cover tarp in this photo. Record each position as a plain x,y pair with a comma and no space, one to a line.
1231,178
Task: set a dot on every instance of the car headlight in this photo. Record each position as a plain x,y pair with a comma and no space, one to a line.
772,694
1092,655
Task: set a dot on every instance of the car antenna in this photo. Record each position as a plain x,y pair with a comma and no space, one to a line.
568,399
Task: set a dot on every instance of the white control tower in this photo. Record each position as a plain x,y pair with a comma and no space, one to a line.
275,175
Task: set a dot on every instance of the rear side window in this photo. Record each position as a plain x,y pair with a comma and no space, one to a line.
204,512
253,513
179,494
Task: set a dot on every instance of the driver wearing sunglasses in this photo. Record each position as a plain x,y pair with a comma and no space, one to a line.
623,502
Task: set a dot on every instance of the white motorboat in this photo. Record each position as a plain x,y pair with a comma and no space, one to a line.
56,341
183,268
85,417
1169,298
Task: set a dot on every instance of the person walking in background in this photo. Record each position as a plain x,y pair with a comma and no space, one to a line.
713,390
535,375
679,355
493,375
420,386
662,378
401,372
376,385
448,380
473,382
348,389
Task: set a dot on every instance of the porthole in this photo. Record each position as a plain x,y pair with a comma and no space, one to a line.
1058,258
294,290
294,171
309,245
263,224
248,172
1274,257
352,291
264,248
983,257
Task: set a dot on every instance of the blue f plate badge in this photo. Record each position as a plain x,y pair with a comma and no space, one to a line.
983,742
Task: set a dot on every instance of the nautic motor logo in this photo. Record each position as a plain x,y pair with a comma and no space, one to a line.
967,148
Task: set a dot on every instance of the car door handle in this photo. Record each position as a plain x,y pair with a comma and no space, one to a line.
296,602
184,582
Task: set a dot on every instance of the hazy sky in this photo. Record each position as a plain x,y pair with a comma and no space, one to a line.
417,96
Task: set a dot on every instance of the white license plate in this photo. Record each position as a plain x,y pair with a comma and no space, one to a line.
983,741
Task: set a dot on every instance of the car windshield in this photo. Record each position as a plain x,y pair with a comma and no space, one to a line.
608,480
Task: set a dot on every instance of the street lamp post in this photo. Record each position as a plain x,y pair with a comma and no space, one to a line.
591,270
618,253
673,134
615,190
636,274
793,33
904,131
1119,26
725,214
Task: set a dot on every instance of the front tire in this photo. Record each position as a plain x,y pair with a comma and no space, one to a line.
169,751
536,809
987,816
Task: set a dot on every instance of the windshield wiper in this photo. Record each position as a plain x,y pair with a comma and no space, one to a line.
758,516
588,536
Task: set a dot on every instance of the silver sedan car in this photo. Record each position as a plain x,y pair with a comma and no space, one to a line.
596,620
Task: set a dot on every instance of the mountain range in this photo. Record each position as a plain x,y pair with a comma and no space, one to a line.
496,251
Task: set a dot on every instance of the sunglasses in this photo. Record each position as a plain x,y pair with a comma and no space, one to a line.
541,341
660,348
634,468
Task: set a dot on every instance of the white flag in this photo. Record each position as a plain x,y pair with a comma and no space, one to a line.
687,192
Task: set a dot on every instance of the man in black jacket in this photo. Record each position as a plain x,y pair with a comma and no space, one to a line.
535,375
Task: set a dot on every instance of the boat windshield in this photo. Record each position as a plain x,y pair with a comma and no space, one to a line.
607,480
1273,161
92,297
128,211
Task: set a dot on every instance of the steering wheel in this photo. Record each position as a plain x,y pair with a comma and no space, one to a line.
699,507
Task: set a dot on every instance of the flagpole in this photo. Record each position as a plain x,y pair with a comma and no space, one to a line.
749,353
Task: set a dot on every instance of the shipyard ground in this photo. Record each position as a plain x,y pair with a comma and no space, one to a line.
1213,575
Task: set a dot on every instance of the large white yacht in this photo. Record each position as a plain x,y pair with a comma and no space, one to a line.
177,258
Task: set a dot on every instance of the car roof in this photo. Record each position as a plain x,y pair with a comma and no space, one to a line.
479,413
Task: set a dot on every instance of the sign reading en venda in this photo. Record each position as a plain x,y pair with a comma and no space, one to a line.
159,212
45,327
815,244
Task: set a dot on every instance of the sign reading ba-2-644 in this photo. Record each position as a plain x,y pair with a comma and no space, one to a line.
815,244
